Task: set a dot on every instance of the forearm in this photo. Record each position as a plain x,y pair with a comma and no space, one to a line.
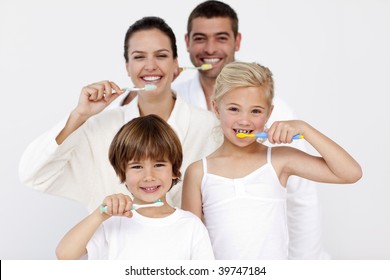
339,161
74,121
73,244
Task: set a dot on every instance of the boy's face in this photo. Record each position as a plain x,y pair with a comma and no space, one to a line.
149,180
244,110
212,41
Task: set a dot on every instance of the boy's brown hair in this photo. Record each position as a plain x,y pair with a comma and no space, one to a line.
147,137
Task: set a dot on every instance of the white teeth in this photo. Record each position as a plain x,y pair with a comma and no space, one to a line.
242,131
151,78
211,60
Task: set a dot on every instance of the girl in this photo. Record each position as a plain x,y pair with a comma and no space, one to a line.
239,189
71,159
146,154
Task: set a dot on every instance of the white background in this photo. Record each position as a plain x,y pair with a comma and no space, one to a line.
330,61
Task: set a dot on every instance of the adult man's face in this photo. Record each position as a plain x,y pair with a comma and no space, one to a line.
212,41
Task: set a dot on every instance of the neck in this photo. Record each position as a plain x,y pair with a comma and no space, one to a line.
161,105
208,88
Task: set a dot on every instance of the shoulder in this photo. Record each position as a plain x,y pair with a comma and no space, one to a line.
195,169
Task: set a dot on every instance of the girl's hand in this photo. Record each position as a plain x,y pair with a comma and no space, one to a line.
282,132
118,205
95,97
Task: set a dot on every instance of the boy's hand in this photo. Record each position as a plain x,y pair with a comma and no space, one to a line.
118,205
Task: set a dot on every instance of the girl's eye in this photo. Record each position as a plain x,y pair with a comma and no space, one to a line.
233,109
256,111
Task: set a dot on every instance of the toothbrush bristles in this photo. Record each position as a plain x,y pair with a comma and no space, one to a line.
205,67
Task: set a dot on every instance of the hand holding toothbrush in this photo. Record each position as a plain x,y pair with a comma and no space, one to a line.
284,132
117,205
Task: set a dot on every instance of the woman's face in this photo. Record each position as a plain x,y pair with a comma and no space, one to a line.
151,60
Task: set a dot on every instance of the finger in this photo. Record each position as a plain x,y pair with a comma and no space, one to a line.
271,132
108,203
129,203
116,88
115,205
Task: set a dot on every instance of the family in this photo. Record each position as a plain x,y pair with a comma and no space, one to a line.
167,165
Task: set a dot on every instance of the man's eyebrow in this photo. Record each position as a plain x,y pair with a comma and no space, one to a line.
216,34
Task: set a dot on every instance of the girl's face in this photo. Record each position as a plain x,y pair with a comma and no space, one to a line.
149,180
244,110
151,60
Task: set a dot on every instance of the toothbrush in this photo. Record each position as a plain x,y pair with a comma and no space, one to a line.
157,203
146,88
265,135
203,67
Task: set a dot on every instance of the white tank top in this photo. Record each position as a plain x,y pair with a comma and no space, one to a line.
246,217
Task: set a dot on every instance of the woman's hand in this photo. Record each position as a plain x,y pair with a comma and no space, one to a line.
95,97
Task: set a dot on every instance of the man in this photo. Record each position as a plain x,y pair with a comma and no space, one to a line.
213,38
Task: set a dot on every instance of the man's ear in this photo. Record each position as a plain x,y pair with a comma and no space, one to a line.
187,39
238,42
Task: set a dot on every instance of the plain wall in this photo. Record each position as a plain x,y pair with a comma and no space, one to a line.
330,61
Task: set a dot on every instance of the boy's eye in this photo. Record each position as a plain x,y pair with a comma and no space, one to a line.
159,164
136,167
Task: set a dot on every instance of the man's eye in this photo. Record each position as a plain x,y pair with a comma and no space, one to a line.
199,39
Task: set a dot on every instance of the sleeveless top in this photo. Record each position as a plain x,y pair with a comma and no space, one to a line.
246,217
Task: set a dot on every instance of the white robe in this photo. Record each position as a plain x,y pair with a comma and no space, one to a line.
79,168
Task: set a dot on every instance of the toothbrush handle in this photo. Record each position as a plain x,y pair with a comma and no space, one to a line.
265,135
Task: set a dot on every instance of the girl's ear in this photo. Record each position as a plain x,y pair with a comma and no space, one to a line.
271,108
215,108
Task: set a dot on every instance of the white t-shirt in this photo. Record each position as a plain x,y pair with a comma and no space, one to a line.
180,236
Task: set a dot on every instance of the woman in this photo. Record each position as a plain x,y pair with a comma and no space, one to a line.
71,160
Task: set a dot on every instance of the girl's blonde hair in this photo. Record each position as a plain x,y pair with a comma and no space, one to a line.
243,74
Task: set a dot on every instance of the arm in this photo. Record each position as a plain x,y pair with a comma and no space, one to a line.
73,245
191,195
94,98
335,165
